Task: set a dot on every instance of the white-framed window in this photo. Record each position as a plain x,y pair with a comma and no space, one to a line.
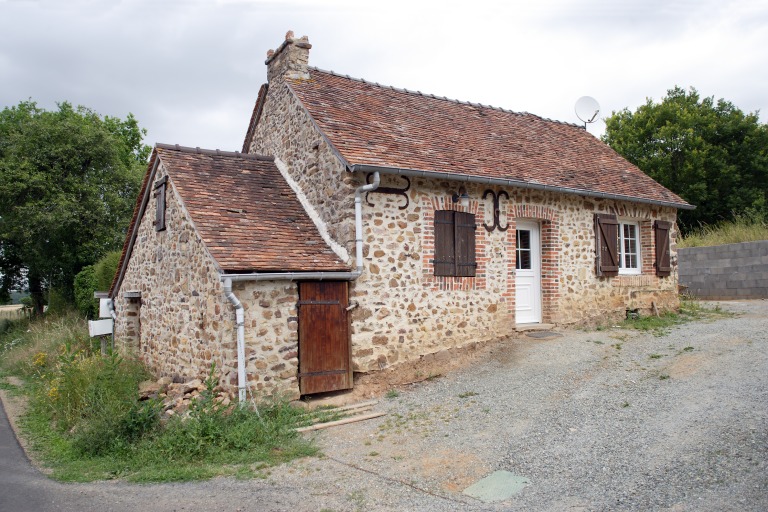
629,247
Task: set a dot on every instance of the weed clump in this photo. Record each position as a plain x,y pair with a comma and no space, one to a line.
659,325
94,400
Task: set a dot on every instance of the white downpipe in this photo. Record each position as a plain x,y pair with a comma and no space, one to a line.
359,219
294,276
240,323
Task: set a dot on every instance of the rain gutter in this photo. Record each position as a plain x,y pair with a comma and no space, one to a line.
511,183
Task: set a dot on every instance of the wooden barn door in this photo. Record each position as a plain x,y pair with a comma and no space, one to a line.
324,346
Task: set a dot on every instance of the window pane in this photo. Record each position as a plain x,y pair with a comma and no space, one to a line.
628,245
523,239
523,252
632,261
523,260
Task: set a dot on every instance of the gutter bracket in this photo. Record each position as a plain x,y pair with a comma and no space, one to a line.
390,190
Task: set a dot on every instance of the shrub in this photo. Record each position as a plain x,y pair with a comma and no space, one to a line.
93,278
58,303
86,419
211,430
105,270
85,284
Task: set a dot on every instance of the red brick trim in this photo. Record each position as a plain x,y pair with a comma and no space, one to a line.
551,248
647,249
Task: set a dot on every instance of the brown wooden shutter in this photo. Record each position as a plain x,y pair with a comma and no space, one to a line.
464,236
663,260
160,209
607,244
445,261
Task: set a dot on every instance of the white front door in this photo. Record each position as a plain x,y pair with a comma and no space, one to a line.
528,273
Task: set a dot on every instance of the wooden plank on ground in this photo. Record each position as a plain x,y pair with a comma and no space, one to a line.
345,421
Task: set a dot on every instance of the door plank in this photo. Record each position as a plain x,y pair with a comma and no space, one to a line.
324,345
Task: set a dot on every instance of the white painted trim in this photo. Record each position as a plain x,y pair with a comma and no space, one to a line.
322,228
623,271
535,313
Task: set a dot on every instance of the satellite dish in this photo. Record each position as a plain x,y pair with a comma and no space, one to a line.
587,109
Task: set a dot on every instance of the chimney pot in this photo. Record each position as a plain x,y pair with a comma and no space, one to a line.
290,59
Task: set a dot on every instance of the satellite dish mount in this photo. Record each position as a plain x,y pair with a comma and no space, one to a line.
587,110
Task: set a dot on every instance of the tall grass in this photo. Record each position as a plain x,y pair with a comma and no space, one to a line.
741,229
22,340
87,421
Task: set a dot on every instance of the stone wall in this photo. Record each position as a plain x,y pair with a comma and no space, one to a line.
271,337
732,271
183,323
587,298
405,311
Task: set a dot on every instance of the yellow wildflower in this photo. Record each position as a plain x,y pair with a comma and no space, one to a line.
40,359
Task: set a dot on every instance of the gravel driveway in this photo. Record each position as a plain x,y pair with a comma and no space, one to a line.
600,420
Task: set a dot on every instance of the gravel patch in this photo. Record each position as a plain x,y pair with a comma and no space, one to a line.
600,420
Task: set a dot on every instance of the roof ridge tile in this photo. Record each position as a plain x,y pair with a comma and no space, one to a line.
213,152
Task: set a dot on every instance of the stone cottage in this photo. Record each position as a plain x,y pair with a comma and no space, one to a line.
427,224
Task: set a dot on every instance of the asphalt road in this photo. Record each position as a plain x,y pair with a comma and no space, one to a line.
22,487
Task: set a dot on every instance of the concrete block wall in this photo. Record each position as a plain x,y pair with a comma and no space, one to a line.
732,271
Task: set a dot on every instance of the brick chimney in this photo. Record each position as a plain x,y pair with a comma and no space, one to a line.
290,60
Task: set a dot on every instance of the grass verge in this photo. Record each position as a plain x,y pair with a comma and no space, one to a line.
690,310
235,442
85,420
741,229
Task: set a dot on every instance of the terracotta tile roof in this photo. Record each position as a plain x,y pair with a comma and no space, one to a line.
245,212
371,124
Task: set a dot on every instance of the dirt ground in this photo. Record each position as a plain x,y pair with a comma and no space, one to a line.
427,368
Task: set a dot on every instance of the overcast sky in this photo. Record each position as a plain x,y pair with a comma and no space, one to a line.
190,70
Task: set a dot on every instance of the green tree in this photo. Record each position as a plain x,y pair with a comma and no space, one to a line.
708,152
68,182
